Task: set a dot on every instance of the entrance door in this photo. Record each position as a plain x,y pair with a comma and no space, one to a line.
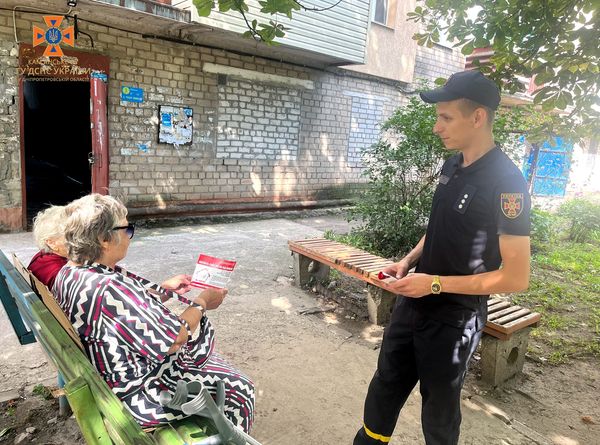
57,142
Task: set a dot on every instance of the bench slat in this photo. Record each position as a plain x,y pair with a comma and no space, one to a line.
378,266
499,314
352,256
309,241
348,260
531,319
512,316
497,307
503,317
368,262
492,301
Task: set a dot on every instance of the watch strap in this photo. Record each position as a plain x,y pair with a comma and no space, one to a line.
198,306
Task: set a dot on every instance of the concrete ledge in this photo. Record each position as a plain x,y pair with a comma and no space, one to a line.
257,76
219,208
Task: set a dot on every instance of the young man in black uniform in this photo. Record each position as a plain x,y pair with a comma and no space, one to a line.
479,220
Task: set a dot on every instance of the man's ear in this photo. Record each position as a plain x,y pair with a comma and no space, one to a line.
479,118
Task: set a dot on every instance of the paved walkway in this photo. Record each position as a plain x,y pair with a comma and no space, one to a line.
310,377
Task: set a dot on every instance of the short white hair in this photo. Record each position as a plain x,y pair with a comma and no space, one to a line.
49,224
91,220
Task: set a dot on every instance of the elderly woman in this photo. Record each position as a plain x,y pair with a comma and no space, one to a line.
48,234
139,347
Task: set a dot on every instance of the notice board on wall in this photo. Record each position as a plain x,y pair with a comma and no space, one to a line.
175,125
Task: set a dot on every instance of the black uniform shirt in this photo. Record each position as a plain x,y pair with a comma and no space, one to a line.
471,207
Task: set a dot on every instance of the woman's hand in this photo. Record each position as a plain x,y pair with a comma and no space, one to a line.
211,298
180,284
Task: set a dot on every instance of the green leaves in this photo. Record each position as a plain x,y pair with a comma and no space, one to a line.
204,7
557,42
279,6
468,48
265,32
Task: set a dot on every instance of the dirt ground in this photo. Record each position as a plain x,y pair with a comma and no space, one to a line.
311,359
560,402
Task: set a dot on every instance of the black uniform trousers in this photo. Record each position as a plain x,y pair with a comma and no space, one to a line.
417,348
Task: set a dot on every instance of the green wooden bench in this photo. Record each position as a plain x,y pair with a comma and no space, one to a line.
103,419
502,349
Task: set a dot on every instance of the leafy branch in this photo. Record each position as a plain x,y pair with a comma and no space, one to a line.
556,44
260,31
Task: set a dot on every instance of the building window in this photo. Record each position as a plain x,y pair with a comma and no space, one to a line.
380,15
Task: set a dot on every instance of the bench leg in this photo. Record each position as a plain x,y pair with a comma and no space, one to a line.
64,409
503,359
380,304
306,268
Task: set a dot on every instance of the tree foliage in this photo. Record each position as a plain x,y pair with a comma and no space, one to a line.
555,41
265,32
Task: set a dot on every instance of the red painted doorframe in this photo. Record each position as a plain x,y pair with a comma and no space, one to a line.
73,65
99,125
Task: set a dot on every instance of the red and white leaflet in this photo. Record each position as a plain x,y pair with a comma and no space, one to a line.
212,272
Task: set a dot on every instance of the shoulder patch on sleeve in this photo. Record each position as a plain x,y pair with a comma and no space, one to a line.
511,204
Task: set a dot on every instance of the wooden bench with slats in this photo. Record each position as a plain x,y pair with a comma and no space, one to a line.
507,324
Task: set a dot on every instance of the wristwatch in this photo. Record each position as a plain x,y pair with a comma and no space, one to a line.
198,306
436,285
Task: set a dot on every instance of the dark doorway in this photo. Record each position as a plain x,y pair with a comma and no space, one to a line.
57,142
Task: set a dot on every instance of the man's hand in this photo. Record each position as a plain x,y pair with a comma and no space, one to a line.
398,270
415,285
211,298
180,284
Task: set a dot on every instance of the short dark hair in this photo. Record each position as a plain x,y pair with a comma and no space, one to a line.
468,106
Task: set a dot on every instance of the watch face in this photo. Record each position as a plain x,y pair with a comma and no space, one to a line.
435,288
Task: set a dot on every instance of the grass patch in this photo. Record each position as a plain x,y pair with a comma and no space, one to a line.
557,322
42,391
565,289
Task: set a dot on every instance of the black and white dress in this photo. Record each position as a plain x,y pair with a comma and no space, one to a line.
127,332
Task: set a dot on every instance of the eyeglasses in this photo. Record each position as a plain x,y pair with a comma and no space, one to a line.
129,229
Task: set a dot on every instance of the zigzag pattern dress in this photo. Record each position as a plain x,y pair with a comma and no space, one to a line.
127,332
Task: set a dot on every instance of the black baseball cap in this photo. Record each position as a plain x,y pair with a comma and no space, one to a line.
469,84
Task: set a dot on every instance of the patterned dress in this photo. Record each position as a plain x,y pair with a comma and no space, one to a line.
127,332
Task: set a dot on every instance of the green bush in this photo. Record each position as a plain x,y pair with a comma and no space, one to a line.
402,169
583,219
543,228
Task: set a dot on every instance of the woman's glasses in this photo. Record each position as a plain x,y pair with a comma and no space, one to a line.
129,229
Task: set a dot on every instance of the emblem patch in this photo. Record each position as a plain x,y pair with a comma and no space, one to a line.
511,204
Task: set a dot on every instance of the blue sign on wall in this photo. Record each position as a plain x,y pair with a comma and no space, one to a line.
132,94
551,169
165,119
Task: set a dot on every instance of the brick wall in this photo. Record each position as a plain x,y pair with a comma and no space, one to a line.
253,141
437,61
258,121
10,175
